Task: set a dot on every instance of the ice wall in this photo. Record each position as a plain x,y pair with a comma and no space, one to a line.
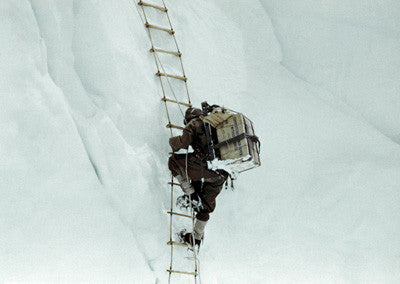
84,149
348,48
57,224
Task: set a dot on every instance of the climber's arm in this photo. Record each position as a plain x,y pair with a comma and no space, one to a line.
182,141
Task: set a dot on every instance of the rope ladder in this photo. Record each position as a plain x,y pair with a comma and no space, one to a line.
161,73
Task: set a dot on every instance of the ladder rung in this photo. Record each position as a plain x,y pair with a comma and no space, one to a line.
170,243
172,76
169,125
179,214
182,272
141,3
174,183
176,53
171,32
172,101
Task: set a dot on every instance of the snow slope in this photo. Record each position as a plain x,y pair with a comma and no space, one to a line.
84,149
348,48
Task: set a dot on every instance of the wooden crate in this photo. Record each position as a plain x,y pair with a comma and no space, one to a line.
242,152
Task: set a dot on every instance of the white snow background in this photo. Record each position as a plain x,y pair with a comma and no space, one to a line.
84,149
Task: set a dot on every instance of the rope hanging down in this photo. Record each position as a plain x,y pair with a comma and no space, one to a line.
166,100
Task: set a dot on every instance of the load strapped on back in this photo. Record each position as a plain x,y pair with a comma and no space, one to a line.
232,143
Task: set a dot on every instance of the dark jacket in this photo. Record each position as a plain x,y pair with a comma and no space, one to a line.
193,134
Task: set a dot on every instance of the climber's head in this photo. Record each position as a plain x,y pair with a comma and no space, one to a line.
191,113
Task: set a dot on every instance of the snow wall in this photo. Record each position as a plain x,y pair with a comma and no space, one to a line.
84,149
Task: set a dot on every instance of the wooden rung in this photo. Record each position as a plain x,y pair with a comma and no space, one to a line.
169,125
174,183
172,76
182,272
172,101
176,53
170,243
171,32
179,214
141,3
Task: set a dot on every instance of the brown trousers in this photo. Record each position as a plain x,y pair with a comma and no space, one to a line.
196,170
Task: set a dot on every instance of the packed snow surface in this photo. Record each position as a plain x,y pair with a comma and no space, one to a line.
84,148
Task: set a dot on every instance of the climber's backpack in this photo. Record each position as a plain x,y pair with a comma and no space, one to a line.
232,143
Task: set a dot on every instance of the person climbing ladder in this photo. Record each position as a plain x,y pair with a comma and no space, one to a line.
200,185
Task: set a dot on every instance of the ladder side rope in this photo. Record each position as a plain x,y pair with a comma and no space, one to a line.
159,64
177,47
187,176
158,61
193,219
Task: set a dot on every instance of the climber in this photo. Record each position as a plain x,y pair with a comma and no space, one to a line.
200,185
